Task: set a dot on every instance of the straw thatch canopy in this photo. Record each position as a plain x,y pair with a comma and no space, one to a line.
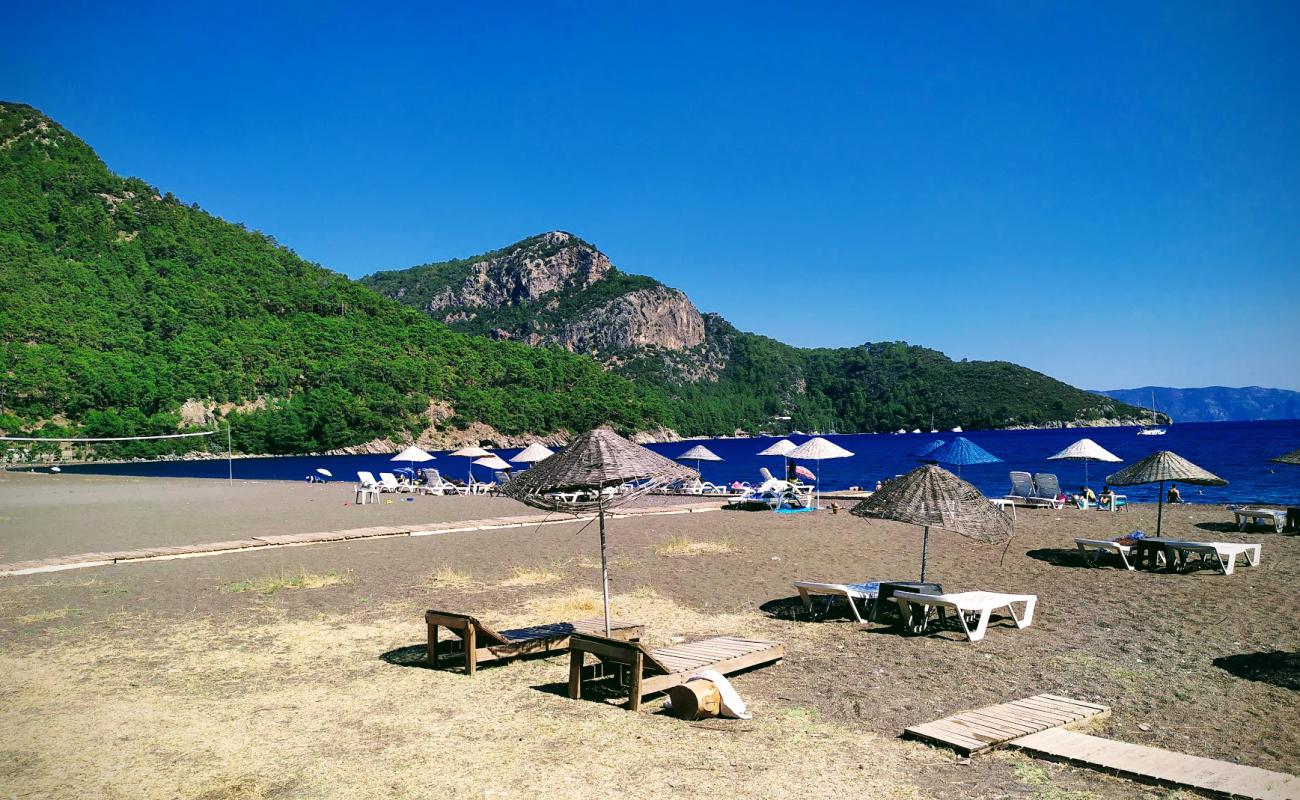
1085,450
1165,466
699,453
412,454
1292,457
533,452
781,448
473,451
934,497
593,461
492,462
817,449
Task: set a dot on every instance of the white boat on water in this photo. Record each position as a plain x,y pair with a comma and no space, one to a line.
1154,430
916,430
957,429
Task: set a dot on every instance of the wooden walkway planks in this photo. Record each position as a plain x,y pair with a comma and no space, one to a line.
984,728
1164,766
82,560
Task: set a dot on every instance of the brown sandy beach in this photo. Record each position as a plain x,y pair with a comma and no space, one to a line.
216,678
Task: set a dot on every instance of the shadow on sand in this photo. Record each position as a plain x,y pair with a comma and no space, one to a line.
411,656
825,608
1278,667
1061,557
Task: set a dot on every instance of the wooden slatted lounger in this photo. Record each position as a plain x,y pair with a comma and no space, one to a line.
652,671
481,643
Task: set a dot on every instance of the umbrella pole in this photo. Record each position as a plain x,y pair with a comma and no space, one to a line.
1160,508
604,565
925,551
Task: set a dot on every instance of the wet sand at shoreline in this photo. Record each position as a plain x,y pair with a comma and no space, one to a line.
221,691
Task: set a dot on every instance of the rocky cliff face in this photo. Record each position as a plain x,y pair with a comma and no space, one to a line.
656,317
546,264
552,289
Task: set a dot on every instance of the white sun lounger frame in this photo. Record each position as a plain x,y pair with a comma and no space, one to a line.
1099,546
969,604
1225,553
808,588
1273,516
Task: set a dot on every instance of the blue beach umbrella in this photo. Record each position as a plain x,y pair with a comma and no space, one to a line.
961,452
926,450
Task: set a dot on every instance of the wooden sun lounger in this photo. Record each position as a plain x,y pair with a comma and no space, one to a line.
481,643
1271,516
652,671
967,604
1223,553
866,592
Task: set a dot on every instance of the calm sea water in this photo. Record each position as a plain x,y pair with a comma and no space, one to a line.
1239,452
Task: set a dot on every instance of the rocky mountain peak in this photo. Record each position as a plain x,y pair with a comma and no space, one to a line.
534,268
550,289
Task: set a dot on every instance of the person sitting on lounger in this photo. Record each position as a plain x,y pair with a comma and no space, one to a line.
1174,495
1085,497
1107,499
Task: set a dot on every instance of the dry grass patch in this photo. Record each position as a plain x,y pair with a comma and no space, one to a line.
299,580
185,710
48,615
532,576
685,546
448,578
666,621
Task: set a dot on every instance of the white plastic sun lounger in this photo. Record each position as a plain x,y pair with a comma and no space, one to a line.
1224,553
388,483
865,592
1099,546
1270,516
967,605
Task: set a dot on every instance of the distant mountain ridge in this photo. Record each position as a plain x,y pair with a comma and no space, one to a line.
1214,403
556,290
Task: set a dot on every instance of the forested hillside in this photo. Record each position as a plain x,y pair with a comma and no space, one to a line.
118,304
556,289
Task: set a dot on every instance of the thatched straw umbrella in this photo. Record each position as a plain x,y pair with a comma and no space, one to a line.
781,448
471,452
1160,467
1292,457
1085,450
818,448
933,497
593,462
697,454
533,453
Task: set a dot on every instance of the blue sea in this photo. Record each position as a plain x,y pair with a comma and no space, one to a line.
1238,452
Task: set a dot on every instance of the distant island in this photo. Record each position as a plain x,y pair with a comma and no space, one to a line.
1213,403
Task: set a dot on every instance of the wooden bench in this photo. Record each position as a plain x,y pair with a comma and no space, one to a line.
481,643
652,671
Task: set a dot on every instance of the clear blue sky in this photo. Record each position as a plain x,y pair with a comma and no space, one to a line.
1107,193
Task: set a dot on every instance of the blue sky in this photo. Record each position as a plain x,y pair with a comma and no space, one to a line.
1109,193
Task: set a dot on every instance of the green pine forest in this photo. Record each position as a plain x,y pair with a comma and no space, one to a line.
118,302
